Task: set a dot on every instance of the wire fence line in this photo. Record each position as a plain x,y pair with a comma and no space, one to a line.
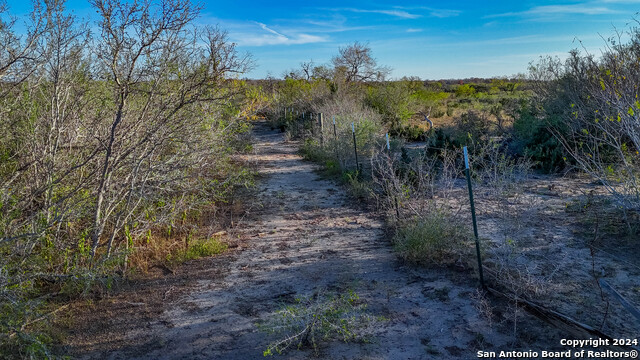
351,142
538,268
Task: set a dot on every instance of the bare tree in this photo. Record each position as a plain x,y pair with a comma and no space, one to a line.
294,74
358,64
21,57
107,138
307,68
160,75
134,40
305,72
18,56
63,83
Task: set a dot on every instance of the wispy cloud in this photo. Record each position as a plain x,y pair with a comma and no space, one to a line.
572,9
444,13
273,37
506,59
520,40
414,30
397,13
551,10
329,22
332,26
433,12
448,43
529,39
264,27
262,40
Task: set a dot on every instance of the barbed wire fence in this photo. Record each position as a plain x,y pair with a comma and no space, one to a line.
408,183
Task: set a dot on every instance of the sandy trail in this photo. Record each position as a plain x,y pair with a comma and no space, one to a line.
305,238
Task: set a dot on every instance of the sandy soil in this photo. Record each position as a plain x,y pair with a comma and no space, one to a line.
307,237
562,238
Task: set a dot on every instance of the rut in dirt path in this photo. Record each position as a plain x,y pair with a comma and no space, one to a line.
306,238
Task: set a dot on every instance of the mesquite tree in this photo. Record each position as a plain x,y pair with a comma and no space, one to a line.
20,57
358,64
106,137
160,72
592,106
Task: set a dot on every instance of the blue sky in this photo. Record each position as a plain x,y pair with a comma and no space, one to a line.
429,39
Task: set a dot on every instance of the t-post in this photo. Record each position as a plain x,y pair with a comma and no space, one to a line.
321,121
473,216
355,146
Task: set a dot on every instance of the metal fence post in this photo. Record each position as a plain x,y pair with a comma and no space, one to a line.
335,133
473,216
321,119
355,146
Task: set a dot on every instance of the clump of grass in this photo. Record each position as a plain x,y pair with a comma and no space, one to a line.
435,238
357,187
322,317
198,249
312,151
612,221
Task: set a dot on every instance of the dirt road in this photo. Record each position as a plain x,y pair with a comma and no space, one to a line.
307,237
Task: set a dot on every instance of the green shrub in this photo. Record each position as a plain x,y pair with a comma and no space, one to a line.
430,96
532,138
474,123
358,188
394,102
465,90
15,342
450,110
332,167
435,238
312,151
413,133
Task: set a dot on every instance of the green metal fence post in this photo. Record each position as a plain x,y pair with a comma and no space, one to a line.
321,120
355,146
335,132
473,216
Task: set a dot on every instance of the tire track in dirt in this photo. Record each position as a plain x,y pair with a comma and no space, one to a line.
305,238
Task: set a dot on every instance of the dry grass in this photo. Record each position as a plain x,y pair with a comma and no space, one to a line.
171,250
434,238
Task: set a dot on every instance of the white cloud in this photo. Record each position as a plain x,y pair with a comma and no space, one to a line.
444,13
433,12
332,26
397,13
549,10
262,40
513,59
273,37
571,9
264,27
414,30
